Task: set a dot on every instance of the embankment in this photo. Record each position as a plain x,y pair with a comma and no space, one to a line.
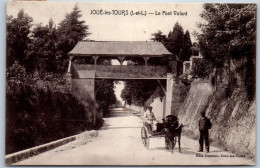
233,118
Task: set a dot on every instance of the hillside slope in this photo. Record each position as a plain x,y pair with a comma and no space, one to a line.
233,119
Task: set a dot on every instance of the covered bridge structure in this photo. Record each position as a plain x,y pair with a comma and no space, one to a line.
88,62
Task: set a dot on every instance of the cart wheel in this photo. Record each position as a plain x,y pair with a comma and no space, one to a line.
143,135
147,142
146,138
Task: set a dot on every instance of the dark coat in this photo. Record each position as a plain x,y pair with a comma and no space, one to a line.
204,124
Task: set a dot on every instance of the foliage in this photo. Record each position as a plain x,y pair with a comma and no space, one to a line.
158,36
177,43
118,104
139,91
201,69
39,105
195,49
17,38
119,70
43,47
39,110
229,40
106,95
186,51
70,31
175,40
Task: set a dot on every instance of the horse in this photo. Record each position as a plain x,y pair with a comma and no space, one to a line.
172,132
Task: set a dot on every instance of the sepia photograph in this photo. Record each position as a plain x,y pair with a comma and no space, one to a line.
130,84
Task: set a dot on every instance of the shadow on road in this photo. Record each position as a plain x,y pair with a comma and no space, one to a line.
185,151
119,114
106,128
159,148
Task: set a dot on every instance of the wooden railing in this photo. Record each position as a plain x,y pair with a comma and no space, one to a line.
124,71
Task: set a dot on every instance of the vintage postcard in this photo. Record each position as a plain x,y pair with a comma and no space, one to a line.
130,83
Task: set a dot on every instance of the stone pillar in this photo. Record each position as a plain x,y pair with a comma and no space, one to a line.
68,75
170,82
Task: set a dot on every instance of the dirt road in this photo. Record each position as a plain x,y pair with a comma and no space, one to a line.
119,143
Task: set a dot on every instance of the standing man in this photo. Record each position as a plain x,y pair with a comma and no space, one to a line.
149,118
204,126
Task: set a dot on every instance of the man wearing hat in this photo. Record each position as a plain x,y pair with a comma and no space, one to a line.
204,126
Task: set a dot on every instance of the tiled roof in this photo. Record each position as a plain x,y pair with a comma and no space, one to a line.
127,48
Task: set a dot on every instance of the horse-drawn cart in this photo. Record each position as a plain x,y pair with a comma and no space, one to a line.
170,129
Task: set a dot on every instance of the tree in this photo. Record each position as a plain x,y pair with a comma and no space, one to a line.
40,109
228,40
106,96
158,37
177,43
43,47
70,31
139,91
175,40
17,39
186,52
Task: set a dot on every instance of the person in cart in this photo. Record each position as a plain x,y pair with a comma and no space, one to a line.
149,119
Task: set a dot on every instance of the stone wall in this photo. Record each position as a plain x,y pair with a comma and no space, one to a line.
179,93
233,118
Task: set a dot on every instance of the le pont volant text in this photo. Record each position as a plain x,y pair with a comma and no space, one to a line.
137,13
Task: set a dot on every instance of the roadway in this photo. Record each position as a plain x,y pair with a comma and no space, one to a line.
119,143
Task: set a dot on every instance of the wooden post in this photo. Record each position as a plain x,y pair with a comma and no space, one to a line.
121,60
95,59
146,60
70,59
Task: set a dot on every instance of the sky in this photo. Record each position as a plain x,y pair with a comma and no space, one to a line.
115,27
